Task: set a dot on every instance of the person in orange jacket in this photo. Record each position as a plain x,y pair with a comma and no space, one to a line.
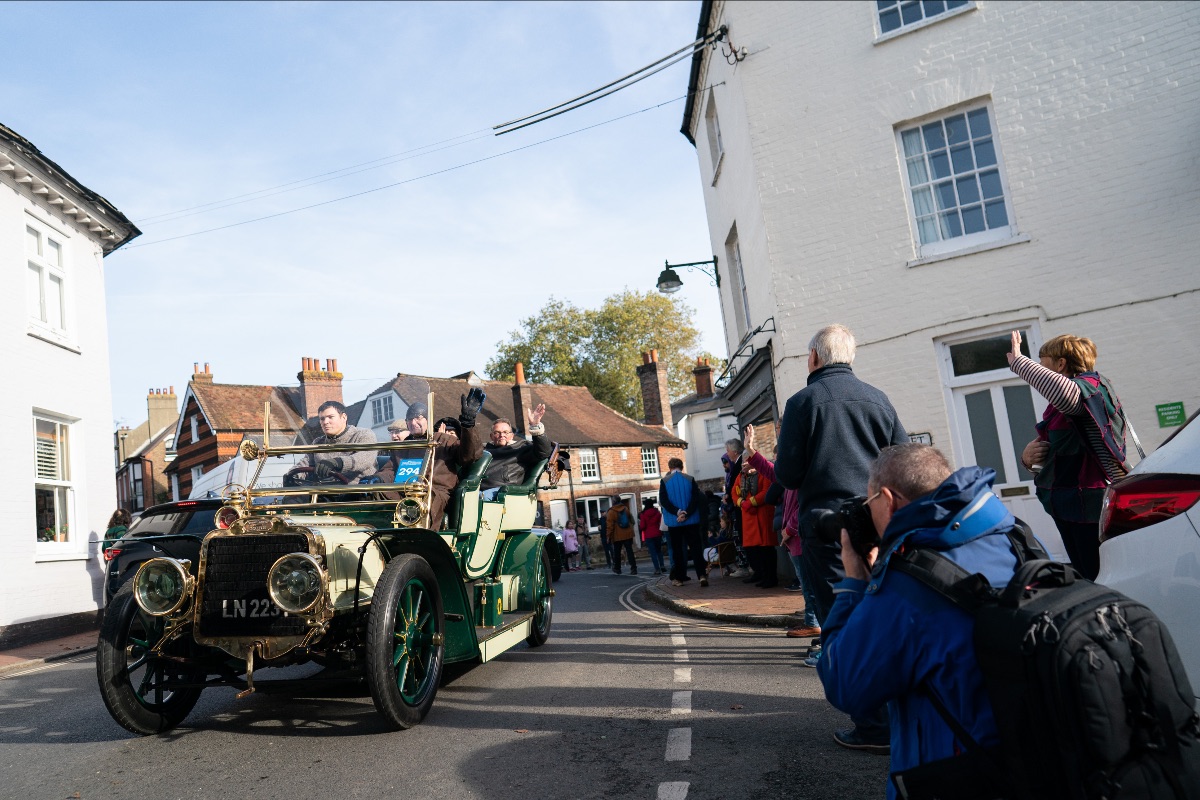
758,531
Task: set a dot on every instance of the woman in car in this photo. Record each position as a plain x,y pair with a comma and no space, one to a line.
1080,444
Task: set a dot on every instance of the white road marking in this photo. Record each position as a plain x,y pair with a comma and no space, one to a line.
626,601
673,790
681,703
679,744
677,640
681,655
676,628
48,665
683,674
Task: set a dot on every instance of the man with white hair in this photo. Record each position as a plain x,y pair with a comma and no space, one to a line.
832,431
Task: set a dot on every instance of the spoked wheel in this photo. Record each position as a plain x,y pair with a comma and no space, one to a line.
405,649
543,601
135,684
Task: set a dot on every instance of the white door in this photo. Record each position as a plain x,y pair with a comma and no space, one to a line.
993,414
558,514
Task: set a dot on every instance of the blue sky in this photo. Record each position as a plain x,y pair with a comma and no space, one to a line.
162,107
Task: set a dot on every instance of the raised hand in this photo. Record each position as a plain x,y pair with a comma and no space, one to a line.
748,440
1016,347
535,415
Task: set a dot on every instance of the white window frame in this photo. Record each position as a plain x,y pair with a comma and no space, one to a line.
947,13
712,127
175,487
42,269
589,462
382,410
741,300
989,237
63,487
720,430
649,462
197,474
195,428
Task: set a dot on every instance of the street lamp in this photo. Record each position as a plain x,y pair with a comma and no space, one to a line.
668,279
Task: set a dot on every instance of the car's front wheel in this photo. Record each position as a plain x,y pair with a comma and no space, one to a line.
140,688
405,649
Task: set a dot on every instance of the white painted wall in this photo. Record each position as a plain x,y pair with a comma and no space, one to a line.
1094,106
69,379
701,461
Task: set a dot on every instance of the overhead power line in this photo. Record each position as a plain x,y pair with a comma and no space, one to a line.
403,182
613,86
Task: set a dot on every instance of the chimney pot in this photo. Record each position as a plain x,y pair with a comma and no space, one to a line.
334,368
654,356
207,371
645,358
520,373
195,367
172,391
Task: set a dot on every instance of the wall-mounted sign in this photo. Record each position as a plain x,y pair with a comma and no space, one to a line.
1170,415
921,438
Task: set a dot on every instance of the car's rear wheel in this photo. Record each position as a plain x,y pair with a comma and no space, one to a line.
135,683
405,649
543,605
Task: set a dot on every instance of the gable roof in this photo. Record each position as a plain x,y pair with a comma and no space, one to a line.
573,416
693,404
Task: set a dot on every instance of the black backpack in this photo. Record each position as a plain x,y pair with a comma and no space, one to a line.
1090,696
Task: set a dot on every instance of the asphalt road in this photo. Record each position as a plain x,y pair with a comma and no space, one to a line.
624,701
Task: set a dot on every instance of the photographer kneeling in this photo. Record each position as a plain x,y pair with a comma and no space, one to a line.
890,639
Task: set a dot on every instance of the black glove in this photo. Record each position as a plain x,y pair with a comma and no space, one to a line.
472,402
327,468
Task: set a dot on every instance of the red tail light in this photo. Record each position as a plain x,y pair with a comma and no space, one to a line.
226,516
111,553
1143,500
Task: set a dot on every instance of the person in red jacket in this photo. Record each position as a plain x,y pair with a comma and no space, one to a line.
758,530
649,521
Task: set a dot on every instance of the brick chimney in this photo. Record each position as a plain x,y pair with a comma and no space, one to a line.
704,382
201,377
162,409
318,385
522,399
656,402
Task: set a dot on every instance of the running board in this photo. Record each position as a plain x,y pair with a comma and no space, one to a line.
495,640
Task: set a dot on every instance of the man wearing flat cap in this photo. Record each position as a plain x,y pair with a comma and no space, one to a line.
452,451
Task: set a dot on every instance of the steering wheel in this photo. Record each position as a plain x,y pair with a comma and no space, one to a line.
307,476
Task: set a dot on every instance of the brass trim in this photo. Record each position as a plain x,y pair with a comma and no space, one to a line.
189,584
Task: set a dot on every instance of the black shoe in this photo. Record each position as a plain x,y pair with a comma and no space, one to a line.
851,739
633,570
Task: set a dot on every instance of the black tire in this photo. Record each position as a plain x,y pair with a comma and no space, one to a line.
131,681
543,604
405,650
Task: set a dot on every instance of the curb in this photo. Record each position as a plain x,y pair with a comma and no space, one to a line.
654,595
21,666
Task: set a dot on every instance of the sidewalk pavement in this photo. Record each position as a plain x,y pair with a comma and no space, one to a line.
21,658
730,600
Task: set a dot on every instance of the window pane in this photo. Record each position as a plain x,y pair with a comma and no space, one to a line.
54,302
968,190
985,153
934,7
961,156
50,450
33,242
940,162
33,293
997,216
927,228
972,218
945,195
917,173
956,129
885,4
911,12
923,201
983,355
955,4
889,21
951,227
50,513
912,142
979,120
984,436
53,252
933,136
990,183
1018,402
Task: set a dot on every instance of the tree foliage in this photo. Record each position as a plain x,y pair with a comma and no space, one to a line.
602,348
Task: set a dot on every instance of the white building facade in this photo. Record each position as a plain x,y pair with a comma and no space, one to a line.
937,174
54,234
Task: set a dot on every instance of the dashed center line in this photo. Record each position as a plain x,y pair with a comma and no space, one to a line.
681,655
677,640
679,744
683,674
675,790
681,703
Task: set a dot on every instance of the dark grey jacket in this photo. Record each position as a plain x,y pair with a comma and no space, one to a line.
511,463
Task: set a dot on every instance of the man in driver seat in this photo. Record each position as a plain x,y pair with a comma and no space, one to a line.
351,465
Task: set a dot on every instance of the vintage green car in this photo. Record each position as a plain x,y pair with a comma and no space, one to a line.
345,576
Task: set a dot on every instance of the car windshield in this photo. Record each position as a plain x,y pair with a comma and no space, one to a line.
156,524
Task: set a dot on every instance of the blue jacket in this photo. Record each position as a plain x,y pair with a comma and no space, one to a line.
883,639
677,492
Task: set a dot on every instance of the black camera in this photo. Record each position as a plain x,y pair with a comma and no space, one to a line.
855,517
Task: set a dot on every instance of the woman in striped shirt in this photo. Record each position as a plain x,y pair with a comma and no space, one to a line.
1080,445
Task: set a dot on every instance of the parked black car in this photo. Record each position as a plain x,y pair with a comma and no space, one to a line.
177,530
